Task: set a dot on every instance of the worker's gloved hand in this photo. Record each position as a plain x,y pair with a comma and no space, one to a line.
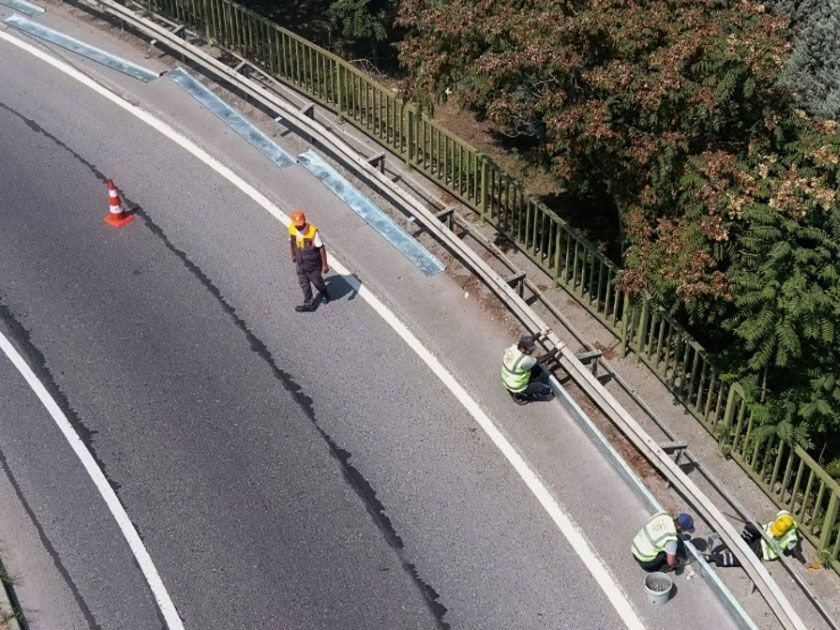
796,552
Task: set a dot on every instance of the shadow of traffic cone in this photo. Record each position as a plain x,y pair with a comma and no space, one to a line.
116,217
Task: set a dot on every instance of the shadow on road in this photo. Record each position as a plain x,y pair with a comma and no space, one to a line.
339,288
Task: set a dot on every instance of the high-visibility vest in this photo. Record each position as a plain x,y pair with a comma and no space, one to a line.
654,536
789,539
514,377
308,256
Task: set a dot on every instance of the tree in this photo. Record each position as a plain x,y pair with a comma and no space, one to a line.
814,68
786,282
622,99
362,22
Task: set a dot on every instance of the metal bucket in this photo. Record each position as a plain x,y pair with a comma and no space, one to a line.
658,588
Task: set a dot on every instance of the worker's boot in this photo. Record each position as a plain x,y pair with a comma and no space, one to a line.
519,399
325,297
306,307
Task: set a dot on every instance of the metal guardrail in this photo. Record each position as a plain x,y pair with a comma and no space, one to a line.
515,303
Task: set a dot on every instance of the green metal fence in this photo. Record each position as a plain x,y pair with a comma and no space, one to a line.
573,262
788,475
670,352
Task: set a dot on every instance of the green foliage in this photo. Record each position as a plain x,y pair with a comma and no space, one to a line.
785,280
364,25
642,101
358,20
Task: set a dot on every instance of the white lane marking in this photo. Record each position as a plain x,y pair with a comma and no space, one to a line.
142,556
563,521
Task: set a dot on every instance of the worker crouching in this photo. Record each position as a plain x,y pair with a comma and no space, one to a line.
657,545
310,258
522,374
783,535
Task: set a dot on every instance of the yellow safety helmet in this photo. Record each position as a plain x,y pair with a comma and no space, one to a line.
781,525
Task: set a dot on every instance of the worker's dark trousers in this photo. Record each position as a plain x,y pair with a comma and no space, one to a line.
660,562
307,278
722,557
654,565
538,387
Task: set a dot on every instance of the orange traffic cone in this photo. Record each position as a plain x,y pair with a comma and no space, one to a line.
116,217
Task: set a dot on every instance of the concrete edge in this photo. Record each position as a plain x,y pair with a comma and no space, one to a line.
724,595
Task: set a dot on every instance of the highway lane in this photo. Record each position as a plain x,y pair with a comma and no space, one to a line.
50,536
253,511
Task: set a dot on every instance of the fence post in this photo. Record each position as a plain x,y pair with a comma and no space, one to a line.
641,327
339,90
626,318
827,527
410,148
482,206
207,33
729,414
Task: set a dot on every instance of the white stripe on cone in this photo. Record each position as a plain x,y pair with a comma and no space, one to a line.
116,205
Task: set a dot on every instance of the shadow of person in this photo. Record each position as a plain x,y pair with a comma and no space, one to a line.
339,288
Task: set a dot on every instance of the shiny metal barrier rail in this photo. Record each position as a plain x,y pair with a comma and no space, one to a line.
340,150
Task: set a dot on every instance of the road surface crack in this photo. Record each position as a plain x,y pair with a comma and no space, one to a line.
351,474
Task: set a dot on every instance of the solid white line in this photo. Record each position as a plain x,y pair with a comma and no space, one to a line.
563,521
162,598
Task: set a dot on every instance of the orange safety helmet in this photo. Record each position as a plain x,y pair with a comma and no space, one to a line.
298,218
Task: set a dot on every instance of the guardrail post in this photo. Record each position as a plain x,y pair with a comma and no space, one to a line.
829,521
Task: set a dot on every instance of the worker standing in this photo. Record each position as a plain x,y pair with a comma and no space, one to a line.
310,258
657,544
522,374
783,532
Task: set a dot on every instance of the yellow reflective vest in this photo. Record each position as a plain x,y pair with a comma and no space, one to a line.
652,538
515,377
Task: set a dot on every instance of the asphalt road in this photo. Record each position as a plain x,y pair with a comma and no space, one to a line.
242,438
